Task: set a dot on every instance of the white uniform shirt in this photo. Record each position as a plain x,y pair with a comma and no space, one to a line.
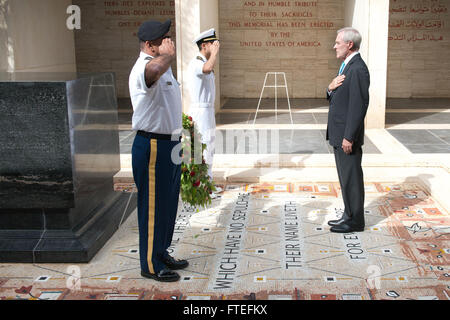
156,109
202,89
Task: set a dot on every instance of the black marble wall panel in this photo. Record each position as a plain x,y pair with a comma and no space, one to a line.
59,143
93,120
35,161
59,152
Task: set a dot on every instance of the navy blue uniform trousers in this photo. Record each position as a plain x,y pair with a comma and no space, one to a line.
157,179
351,179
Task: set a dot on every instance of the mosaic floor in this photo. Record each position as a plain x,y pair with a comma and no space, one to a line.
269,241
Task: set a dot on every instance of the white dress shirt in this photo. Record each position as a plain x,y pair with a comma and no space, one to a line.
156,109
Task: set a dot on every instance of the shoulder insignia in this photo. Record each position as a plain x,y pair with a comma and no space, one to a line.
200,58
148,58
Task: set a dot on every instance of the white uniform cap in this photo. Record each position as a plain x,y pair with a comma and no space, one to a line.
209,35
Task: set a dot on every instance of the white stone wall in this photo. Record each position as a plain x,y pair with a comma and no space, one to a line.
419,49
34,36
107,40
295,37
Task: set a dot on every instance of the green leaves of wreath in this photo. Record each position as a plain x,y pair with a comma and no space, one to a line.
196,187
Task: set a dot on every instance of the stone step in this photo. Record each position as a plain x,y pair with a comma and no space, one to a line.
435,179
226,161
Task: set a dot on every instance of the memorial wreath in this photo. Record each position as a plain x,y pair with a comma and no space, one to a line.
196,186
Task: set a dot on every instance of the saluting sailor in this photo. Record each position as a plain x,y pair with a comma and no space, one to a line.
156,99
202,91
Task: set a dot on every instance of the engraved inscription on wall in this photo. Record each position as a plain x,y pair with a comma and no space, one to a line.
419,48
295,37
107,40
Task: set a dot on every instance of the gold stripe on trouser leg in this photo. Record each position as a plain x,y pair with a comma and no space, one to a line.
151,201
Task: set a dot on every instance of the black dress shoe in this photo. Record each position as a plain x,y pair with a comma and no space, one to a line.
346,228
333,223
173,264
164,275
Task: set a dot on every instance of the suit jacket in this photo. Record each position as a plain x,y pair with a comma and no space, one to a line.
348,105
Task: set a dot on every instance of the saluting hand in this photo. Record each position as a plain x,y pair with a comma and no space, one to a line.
167,48
215,48
336,83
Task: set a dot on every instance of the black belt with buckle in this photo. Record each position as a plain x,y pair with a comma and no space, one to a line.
157,136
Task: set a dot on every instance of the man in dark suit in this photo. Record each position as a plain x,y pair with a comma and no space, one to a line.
348,95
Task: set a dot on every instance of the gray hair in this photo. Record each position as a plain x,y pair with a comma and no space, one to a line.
353,35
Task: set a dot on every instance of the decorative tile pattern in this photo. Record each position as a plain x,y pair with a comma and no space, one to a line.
269,241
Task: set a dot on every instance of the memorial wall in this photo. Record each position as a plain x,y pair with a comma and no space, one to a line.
33,36
295,37
419,49
107,41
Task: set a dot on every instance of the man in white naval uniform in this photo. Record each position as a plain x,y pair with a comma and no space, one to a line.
202,91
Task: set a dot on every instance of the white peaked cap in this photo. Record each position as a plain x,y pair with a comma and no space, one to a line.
209,35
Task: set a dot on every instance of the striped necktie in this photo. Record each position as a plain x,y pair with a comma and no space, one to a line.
342,68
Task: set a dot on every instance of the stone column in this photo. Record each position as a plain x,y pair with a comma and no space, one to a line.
192,18
5,48
34,36
371,18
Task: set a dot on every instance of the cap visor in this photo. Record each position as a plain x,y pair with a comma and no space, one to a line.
210,39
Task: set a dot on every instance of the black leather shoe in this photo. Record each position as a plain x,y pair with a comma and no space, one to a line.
333,223
173,264
164,275
346,228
